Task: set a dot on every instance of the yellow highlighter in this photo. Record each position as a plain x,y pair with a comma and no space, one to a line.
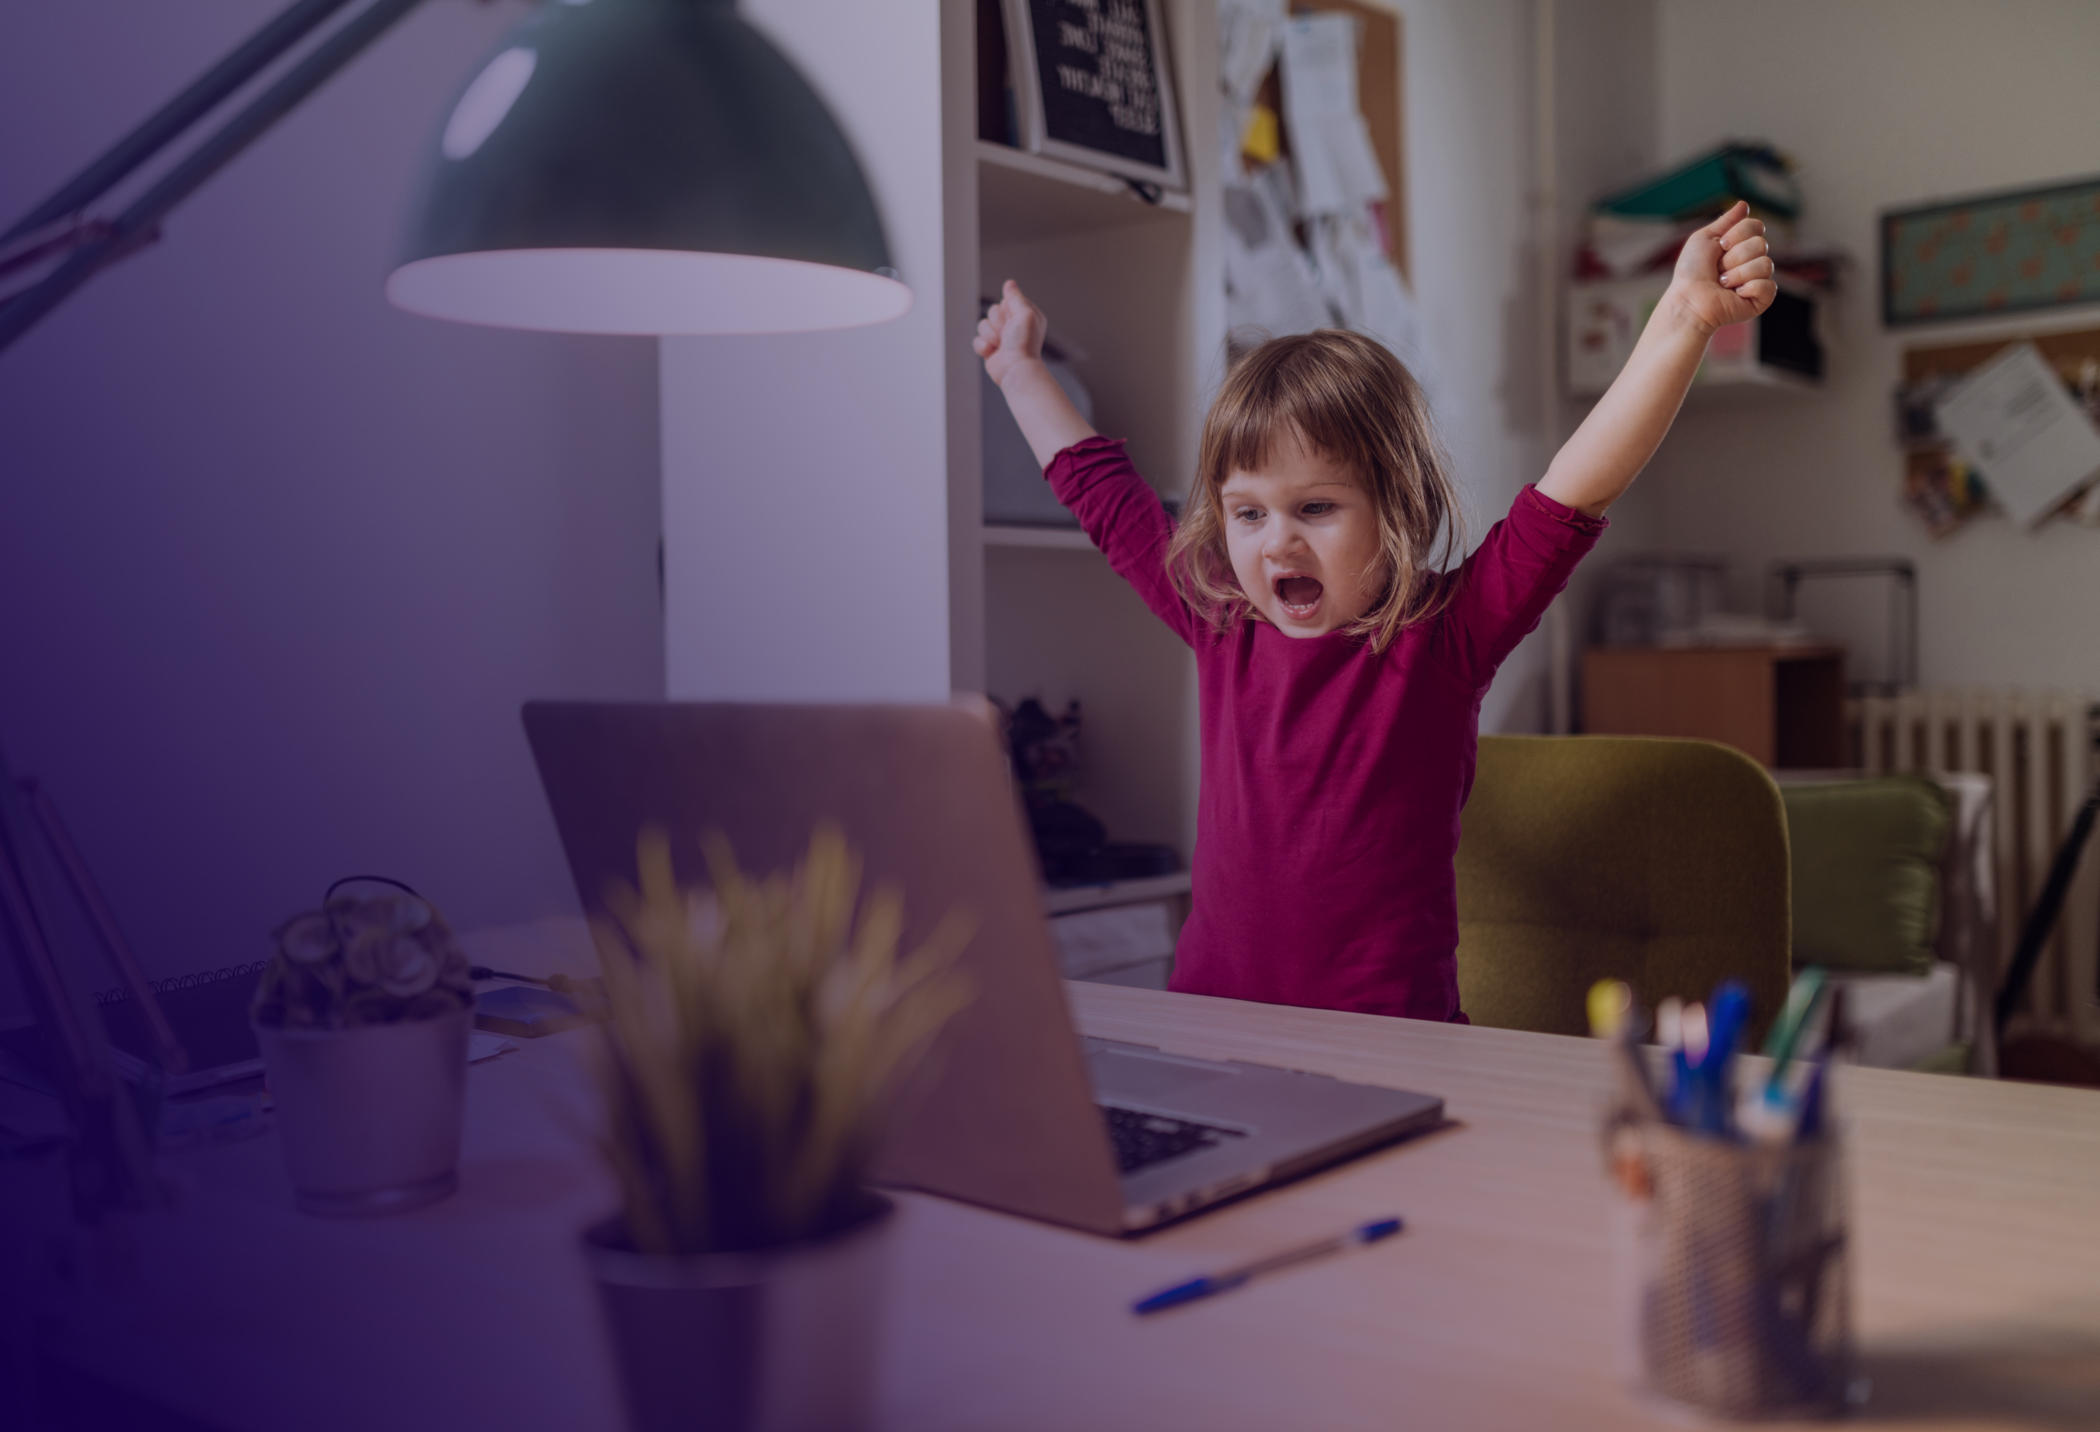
1610,1002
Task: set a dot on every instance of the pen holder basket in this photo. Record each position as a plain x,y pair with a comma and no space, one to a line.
1741,1304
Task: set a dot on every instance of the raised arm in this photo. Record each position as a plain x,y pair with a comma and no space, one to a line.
1010,341
1723,276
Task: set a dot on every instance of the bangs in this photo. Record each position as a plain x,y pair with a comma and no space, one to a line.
1285,396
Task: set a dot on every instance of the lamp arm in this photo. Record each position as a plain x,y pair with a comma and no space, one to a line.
137,224
113,1153
177,115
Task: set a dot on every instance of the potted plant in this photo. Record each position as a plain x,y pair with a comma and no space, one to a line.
362,1017
758,1035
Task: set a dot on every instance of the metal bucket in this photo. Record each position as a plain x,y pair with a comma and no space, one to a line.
775,1340
370,1117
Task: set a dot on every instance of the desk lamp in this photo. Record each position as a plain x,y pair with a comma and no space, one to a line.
615,166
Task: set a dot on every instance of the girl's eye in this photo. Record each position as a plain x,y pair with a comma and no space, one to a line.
1318,509
1247,514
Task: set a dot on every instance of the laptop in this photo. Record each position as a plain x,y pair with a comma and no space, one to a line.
1016,1111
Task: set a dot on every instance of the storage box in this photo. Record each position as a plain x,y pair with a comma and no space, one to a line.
1015,493
1782,348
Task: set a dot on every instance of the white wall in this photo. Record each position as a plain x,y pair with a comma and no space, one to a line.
1887,103
806,475
278,563
1473,181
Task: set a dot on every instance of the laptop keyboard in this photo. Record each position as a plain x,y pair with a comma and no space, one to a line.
1142,1140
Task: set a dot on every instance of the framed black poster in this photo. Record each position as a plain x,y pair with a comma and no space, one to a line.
1091,86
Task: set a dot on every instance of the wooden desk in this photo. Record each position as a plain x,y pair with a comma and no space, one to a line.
1977,1220
1781,705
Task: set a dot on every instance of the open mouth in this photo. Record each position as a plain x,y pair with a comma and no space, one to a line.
1298,596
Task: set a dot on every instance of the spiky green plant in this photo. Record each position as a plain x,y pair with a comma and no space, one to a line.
758,1031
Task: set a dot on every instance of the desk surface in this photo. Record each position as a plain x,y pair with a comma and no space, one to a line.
1977,1220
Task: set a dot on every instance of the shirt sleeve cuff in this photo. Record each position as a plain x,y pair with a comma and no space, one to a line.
1092,443
1566,516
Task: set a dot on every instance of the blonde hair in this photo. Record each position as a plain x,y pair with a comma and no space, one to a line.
1345,396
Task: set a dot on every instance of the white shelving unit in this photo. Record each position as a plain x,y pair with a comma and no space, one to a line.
1139,288
1025,196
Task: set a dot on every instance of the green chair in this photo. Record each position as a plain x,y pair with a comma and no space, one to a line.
1659,862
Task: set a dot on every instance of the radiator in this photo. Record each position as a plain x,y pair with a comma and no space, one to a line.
2038,749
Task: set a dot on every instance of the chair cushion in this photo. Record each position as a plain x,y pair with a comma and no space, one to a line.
1866,861
1657,861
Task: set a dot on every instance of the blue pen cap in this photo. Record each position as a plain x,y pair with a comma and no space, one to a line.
1175,1296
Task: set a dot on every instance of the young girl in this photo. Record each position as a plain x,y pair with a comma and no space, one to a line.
1341,666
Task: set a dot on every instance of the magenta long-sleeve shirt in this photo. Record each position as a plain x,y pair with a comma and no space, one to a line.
1333,776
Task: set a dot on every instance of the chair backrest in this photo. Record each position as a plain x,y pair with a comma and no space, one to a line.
1659,862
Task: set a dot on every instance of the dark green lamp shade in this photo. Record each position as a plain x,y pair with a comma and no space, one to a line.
644,166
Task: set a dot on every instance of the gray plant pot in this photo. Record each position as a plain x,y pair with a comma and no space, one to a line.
775,1340
369,1118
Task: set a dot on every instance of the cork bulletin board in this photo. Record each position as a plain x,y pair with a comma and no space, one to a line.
1939,489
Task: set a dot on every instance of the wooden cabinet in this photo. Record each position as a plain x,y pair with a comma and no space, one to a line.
1782,705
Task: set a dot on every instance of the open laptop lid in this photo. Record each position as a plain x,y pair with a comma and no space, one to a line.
1007,1117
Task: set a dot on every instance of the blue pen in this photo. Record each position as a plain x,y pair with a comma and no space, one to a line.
1214,1283
1810,1124
1728,1017
1687,1088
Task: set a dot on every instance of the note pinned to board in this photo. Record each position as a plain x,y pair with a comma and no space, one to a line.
1338,169
1247,32
1270,283
2015,422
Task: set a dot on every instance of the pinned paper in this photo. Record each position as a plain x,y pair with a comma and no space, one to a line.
1247,41
1338,169
1360,283
2031,440
1269,282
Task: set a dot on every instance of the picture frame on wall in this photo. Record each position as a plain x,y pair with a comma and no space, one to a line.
1092,86
1991,254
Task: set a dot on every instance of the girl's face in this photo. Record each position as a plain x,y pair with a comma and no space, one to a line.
1303,539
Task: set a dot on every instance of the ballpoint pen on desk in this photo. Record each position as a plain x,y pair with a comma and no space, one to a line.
1614,1015
1814,1099
1686,1054
1610,1004
1802,1001
1725,1022
1787,1107
1669,1030
1669,1023
592,987
1214,1283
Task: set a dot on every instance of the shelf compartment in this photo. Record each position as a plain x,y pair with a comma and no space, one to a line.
1056,539
1070,899
1022,196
